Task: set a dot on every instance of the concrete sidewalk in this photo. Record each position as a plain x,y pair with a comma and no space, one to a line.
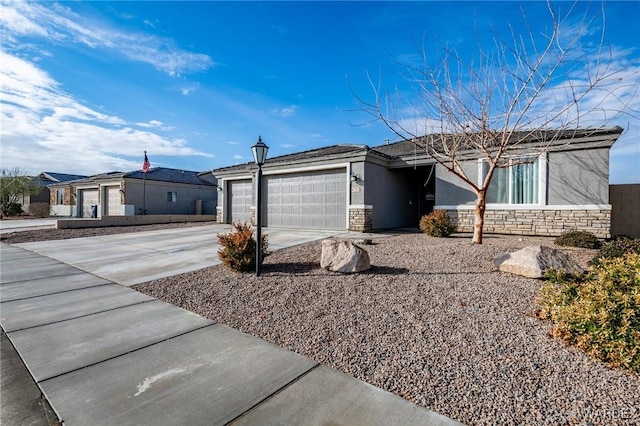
104,354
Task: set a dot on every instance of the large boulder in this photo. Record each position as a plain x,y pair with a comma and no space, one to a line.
535,261
343,256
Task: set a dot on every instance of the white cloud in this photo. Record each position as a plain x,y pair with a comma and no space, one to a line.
238,157
188,89
60,24
287,145
42,126
289,111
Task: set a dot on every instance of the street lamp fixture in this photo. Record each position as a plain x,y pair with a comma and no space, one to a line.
259,150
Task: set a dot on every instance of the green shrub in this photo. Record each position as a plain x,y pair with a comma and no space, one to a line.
11,209
598,312
617,248
582,239
436,224
238,248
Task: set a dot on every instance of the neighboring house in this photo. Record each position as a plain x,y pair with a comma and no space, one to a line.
44,197
160,191
562,186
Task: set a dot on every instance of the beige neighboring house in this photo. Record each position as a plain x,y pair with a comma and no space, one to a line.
160,191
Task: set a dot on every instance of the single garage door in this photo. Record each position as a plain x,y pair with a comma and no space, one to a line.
113,201
314,200
89,198
240,192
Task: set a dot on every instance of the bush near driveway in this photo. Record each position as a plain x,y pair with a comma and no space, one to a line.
238,248
598,312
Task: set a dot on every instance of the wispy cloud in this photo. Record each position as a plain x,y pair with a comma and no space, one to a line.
289,111
58,23
188,89
287,145
238,157
49,125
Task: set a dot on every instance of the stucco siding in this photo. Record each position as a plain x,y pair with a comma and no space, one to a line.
453,191
392,196
156,199
578,177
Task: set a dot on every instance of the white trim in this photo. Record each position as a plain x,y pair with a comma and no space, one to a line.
266,172
542,180
361,206
528,207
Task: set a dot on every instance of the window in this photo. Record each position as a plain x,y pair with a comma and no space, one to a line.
520,183
172,197
60,197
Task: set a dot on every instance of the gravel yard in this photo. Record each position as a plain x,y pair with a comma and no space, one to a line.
431,322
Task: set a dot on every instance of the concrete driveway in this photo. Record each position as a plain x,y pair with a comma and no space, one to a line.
138,257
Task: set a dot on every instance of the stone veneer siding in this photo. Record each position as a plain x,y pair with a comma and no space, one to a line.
219,217
535,221
360,219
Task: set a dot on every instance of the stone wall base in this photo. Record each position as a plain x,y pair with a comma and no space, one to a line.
536,222
361,219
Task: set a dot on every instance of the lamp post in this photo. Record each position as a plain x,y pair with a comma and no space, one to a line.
259,156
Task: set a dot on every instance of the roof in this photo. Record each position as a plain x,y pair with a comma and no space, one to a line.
538,139
60,177
396,150
158,174
333,151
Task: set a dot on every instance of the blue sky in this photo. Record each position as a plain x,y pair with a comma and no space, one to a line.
87,87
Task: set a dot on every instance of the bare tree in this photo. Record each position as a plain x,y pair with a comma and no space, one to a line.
536,84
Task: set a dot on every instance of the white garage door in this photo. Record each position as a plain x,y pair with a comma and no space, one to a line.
240,193
315,200
89,198
113,201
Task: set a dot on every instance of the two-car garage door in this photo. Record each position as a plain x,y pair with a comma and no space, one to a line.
307,200
310,200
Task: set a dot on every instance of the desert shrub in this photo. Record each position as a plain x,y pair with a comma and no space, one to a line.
436,224
238,248
582,239
598,312
39,209
11,209
617,248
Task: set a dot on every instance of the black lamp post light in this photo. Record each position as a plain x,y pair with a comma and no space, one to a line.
259,150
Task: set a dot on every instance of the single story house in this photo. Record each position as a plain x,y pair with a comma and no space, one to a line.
160,191
563,185
43,197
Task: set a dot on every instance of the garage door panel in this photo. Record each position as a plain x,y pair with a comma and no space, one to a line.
311,200
240,193
89,198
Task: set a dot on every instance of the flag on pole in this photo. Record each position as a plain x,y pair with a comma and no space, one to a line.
146,165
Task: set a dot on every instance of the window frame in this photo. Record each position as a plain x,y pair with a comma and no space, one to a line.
542,180
60,197
172,196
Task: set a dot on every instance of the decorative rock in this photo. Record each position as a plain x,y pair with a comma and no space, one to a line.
343,256
534,261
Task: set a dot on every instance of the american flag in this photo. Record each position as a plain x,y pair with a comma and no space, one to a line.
146,165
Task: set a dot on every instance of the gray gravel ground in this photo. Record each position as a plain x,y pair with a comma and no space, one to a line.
431,322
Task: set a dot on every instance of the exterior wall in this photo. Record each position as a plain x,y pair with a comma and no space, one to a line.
546,222
578,177
453,191
390,194
68,206
155,197
625,210
360,218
